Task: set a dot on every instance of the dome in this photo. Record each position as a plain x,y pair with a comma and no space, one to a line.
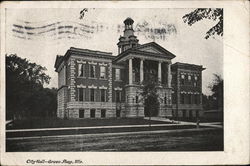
128,21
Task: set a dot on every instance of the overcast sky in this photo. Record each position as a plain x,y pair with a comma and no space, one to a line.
41,34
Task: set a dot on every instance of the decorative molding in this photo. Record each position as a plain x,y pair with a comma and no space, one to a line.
81,61
103,87
103,64
92,87
81,86
118,88
92,63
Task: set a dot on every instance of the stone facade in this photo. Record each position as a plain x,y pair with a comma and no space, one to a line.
95,84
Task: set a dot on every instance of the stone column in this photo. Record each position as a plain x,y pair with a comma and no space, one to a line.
130,68
169,75
159,72
141,71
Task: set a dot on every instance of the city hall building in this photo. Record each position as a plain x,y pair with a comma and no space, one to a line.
96,84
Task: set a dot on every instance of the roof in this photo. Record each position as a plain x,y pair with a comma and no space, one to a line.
157,46
165,53
187,66
109,54
128,21
82,52
59,59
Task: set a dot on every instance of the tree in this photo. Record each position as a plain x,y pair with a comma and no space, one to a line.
24,80
199,14
217,91
150,97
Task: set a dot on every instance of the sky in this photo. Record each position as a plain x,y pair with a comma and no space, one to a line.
41,34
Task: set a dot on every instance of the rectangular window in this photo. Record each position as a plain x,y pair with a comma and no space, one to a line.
189,99
182,79
190,114
80,94
182,98
81,113
118,112
118,96
92,113
103,95
92,94
136,99
117,74
103,113
197,114
81,70
184,113
92,72
102,72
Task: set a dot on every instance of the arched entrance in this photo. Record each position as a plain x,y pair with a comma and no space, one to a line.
151,107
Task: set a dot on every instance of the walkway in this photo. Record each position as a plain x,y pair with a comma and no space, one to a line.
211,124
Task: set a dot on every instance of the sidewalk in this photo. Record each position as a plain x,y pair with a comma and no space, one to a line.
212,124
169,132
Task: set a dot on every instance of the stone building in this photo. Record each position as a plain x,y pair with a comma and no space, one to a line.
96,84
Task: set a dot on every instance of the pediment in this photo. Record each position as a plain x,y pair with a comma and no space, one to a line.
155,48
151,49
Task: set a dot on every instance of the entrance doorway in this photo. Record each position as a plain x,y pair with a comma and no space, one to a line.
151,107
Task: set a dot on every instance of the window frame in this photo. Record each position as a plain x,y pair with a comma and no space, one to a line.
90,95
94,72
101,95
82,70
83,94
105,111
91,113
105,72
81,110
116,73
120,95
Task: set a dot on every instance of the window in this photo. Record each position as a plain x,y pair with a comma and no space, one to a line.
92,73
117,74
165,100
102,72
92,94
136,99
197,113
92,113
184,113
189,78
80,94
189,99
81,113
81,70
195,84
173,98
182,98
118,96
190,114
182,79
103,95
118,112
197,99
103,113
195,78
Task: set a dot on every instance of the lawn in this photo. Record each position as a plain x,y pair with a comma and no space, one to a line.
177,141
56,122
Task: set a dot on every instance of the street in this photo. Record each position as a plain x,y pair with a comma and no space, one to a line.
211,140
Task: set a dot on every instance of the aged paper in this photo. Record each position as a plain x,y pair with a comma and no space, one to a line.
226,55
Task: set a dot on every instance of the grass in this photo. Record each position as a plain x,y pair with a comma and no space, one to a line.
178,141
57,123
